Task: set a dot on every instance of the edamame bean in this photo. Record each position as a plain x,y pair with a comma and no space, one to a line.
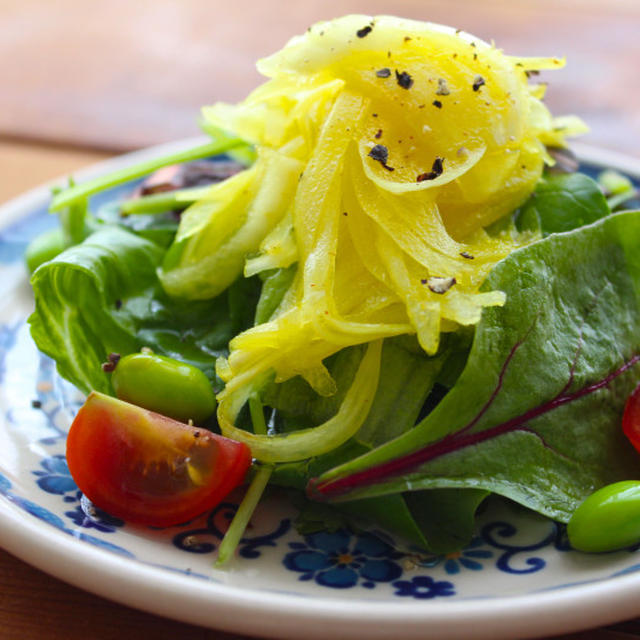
164,385
43,248
608,519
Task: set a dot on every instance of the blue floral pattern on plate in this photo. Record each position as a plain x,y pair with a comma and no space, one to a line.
342,560
423,587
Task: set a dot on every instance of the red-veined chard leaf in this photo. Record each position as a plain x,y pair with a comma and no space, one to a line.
535,415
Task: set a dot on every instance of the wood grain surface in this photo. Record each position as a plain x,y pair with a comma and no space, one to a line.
122,74
84,79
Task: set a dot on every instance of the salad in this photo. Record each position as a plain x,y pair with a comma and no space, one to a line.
400,300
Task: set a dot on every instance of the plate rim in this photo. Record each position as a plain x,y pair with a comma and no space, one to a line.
275,614
280,614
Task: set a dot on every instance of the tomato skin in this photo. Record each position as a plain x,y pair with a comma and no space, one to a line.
631,418
149,469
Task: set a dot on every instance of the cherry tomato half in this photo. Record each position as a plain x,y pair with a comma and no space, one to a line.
146,468
631,418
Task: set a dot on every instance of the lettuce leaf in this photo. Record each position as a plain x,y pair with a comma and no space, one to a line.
102,296
77,320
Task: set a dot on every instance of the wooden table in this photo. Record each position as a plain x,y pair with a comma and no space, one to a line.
84,80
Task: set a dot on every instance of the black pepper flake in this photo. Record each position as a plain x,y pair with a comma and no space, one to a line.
36,404
440,285
407,38
344,213
384,72
478,82
466,254
110,364
532,72
375,115
196,434
437,103
118,304
378,134
404,79
443,89
436,170
365,31
475,56
380,154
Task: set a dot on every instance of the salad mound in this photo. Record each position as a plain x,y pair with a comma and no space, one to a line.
385,147
401,308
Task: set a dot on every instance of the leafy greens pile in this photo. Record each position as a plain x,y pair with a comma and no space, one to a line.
421,317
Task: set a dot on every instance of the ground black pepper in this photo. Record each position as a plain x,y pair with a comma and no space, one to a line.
380,153
478,81
404,79
436,170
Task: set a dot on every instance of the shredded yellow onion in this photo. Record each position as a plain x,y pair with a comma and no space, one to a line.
385,148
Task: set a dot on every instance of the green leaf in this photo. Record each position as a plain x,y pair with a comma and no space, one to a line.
408,377
159,227
535,416
274,287
446,517
242,296
561,203
299,406
103,296
76,320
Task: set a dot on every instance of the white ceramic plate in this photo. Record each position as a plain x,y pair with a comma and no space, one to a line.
516,579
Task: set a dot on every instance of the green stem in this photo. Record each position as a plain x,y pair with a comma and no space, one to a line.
72,221
161,202
257,415
240,521
65,198
256,488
